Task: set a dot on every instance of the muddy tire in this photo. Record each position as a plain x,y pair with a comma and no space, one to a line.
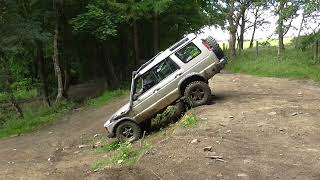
216,47
197,93
128,131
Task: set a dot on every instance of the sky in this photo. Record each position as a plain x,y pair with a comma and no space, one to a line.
265,31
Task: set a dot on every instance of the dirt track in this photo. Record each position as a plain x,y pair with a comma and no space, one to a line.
263,128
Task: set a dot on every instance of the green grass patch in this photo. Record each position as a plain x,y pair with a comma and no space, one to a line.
109,147
295,64
190,120
34,119
19,95
107,97
124,154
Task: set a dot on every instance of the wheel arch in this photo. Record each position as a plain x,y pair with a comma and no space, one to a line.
189,79
124,119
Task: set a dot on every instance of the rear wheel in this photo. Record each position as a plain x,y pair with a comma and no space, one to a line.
197,93
128,131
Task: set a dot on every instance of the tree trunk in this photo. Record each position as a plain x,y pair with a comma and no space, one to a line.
254,28
300,29
232,30
316,50
242,29
136,44
56,56
113,80
280,29
42,73
232,44
156,38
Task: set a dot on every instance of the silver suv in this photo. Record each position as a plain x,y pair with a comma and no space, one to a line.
183,70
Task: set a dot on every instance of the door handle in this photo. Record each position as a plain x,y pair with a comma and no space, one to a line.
178,75
156,90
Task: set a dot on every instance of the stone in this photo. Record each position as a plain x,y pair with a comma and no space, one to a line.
294,114
272,113
208,148
195,141
82,146
96,135
242,175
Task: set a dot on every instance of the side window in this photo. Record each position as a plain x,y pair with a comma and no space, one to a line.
188,53
165,69
154,76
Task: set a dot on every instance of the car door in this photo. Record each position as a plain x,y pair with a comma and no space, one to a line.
162,94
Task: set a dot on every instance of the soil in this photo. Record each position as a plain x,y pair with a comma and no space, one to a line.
258,128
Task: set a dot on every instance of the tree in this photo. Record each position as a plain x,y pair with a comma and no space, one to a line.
236,9
286,11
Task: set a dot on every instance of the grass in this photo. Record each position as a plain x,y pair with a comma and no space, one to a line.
124,154
106,97
295,64
190,120
20,95
35,118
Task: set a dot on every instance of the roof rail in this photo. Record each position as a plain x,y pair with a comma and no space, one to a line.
148,62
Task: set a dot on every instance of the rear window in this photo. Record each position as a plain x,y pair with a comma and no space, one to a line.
188,53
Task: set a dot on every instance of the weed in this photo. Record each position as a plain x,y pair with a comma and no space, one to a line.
124,155
190,120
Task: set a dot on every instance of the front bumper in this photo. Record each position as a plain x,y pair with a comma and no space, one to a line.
109,126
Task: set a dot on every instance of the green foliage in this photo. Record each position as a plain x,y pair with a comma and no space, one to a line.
190,120
304,42
110,147
294,64
125,155
100,20
34,119
107,97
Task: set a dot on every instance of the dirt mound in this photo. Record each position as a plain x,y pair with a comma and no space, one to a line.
258,128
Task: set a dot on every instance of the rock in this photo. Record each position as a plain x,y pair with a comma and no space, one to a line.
49,159
272,113
50,132
106,156
231,117
195,141
208,148
294,114
97,145
281,129
82,146
96,135
229,131
14,149
242,175
120,161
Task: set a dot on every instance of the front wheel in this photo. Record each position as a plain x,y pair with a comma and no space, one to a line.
197,93
128,131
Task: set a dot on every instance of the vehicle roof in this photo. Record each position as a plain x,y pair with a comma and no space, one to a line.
163,55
